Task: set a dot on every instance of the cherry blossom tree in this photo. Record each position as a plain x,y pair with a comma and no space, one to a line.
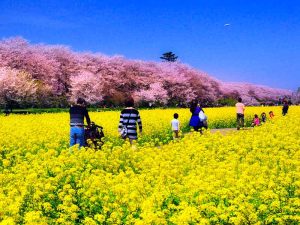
155,94
88,86
16,87
253,94
60,74
18,54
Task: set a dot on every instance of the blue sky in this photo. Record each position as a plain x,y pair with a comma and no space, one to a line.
261,45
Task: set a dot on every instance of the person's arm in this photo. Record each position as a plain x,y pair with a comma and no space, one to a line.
87,117
139,121
120,122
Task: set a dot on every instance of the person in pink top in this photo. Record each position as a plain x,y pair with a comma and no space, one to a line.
240,109
256,121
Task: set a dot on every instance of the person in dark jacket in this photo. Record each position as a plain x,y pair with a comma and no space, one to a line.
263,117
77,114
285,108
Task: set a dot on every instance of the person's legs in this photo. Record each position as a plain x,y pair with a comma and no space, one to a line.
242,120
80,136
72,136
239,120
196,128
201,126
176,133
205,124
77,136
130,141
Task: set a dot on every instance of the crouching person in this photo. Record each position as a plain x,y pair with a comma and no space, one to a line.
255,121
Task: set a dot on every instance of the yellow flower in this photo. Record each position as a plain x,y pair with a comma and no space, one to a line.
248,176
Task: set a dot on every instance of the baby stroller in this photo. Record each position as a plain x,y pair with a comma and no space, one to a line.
93,135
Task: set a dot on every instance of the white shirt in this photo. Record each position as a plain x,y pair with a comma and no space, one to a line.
175,124
240,108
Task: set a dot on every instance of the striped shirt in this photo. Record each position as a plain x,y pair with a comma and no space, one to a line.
130,117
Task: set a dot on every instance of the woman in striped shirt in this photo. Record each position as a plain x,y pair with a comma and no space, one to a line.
129,118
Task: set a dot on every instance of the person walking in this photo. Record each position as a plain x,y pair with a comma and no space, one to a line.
285,107
175,125
129,118
77,114
195,120
240,110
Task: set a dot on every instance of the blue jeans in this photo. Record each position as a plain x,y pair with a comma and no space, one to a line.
77,136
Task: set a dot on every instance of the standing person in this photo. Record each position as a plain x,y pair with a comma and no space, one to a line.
195,120
175,125
240,109
285,108
77,114
129,119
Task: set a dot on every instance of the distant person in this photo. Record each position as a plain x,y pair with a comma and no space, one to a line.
195,120
285,108
77,114
255,121
175,125
129,119
6,111
240,109
263,117
271,115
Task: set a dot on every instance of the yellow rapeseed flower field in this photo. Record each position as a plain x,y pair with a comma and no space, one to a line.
244,177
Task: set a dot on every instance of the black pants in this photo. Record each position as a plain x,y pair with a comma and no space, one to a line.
240,120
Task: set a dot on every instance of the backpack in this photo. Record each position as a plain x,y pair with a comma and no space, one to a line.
202,116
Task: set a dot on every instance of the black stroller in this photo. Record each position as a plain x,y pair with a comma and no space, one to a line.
93,135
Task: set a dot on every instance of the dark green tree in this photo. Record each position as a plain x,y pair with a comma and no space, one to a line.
169,57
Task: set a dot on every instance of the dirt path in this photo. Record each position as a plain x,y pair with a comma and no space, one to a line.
222,131
225,131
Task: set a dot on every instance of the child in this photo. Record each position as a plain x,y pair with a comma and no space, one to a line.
175,125
263,117
271,114
256,121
